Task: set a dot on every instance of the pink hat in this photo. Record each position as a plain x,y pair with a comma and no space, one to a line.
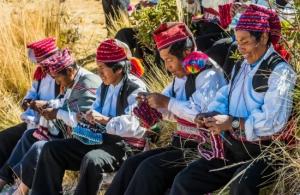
59,61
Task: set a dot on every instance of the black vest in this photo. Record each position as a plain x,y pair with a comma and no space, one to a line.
122,103
190,84
261,77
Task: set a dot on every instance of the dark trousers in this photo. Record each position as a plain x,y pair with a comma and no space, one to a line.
8,139
151,172
71,154
17,157
200,178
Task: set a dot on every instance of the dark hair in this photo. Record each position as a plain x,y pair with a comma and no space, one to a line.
257,35
64,71
178,48
124,65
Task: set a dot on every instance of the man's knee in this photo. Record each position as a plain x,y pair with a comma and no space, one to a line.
243,185
181,181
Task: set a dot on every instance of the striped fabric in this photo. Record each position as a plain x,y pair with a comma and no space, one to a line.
58,61
210,146
135,142
260,19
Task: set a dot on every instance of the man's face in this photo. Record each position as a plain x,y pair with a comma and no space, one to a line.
107,74
248,46
172,63
65,80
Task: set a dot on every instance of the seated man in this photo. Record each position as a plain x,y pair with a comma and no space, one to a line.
253,107
43,87
152,172
116,98
80,92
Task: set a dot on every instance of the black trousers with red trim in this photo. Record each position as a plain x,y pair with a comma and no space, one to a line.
152,172
203,176
70,154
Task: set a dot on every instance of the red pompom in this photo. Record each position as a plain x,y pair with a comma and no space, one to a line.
137,68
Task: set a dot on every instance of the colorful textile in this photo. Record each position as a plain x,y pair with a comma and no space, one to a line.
88,134
195,62
260,19
59,61
210,146
148,116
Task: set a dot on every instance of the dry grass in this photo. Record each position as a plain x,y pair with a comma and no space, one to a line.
22,22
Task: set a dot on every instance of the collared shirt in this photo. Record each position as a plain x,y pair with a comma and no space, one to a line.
207,83
265,113
126,125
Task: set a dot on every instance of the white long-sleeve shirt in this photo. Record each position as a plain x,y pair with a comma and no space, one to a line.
126,125
207,83
265,113
46,92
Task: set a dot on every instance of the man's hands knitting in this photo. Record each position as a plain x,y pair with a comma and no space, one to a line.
214,121
155,100
38,105
49,113
95,117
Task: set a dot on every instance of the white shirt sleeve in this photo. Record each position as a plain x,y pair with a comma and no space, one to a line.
127,125
69,118
166,114
207,85
276,110
56,103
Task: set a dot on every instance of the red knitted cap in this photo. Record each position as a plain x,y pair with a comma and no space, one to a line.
59,61
171,32
260,19
110,51
42,49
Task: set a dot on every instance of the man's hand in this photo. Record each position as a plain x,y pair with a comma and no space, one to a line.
141,97
38,105
199,119
157,100
49,113
95,117
79,116
25,104
218,123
